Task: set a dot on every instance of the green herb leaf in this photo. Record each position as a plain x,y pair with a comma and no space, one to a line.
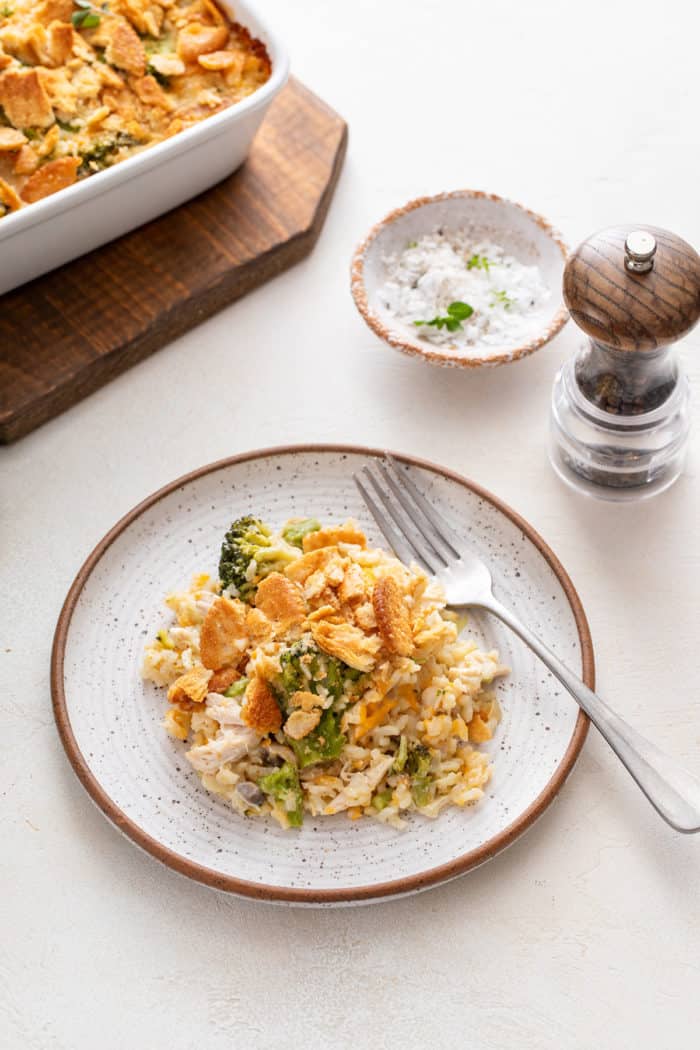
456,313
460,310
7,11
65,126
479,262
502,299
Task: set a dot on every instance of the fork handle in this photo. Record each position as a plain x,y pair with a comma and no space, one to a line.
674,793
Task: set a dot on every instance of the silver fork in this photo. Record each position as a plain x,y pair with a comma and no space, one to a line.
416,532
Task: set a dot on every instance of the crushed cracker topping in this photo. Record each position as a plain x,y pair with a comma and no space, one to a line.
83,88
224,634
392,617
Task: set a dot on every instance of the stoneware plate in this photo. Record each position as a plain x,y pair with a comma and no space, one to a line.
110,721
520,232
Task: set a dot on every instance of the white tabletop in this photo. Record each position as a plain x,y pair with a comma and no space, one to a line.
585,933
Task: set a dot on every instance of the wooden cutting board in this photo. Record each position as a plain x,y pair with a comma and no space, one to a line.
67,333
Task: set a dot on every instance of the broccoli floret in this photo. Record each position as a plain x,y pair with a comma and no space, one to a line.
417,766
296,674
418,760
305,666
323,744
284,787
247,555
100,155
295,531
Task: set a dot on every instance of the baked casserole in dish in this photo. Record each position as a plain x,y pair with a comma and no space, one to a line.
96,100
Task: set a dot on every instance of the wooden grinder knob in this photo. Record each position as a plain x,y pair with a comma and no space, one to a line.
633,288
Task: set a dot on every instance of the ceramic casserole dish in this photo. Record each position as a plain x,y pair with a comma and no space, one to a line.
95,210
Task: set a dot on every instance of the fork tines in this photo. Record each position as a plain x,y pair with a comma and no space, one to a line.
405,517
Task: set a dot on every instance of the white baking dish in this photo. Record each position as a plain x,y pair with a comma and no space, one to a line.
96,210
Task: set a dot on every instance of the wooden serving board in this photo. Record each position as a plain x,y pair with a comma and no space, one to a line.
65,334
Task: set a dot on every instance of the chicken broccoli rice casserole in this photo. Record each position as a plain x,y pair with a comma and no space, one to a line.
85,85
319,675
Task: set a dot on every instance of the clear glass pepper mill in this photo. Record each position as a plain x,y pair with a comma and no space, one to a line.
621,407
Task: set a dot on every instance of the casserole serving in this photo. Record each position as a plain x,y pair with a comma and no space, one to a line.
127,152
320,675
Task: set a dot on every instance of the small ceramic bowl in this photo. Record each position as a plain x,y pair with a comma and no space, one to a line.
521,233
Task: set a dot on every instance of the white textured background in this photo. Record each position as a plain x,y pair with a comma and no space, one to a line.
585,934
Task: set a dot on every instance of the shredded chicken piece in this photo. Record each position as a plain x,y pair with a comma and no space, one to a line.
226,710
229,745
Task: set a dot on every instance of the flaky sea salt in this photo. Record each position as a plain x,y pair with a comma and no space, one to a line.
449,266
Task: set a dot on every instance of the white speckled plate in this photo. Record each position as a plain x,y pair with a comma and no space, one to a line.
110,721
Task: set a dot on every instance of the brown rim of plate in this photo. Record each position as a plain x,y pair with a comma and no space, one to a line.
260,891
441,357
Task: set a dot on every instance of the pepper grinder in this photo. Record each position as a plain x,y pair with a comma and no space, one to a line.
621,406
